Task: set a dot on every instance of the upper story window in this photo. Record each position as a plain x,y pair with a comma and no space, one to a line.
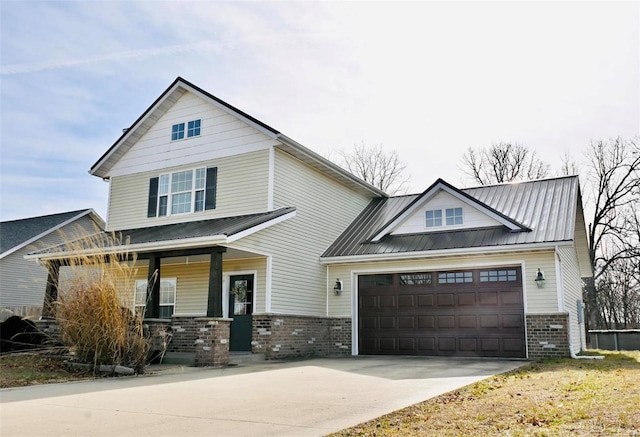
453,216
434,218
193,130
182,192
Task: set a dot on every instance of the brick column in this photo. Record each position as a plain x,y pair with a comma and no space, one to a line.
548,335
212,341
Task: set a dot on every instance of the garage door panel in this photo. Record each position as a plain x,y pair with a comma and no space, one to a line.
467,322
446,299
406,301
426,322
466,299
415,316
407,322
426,300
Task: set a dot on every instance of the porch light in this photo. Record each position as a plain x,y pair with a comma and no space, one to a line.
540,279
337,289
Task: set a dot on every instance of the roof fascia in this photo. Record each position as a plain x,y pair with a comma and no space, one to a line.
442,185
53,229
443,253
261,226
332,167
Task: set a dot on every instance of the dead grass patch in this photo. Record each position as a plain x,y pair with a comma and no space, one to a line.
550,398
30,368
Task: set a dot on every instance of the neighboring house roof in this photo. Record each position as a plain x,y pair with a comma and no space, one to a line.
181,86
545,211
16,234
182,235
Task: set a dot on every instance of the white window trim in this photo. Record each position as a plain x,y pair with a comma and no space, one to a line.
444,225
193,191
145,282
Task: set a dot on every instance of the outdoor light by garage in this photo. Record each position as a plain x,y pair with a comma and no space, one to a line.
540,279
337,289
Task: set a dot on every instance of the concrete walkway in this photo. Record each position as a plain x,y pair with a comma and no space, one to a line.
302,398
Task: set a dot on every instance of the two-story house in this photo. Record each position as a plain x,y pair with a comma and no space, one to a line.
262,245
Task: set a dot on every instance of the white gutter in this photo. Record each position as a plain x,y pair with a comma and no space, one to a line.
141,247
436,253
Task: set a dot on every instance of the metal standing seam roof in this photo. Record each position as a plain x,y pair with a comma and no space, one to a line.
227,226
547,207
16,232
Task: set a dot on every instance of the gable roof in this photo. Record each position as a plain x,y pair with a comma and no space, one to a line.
16,234
200,233
441,185
545,210
181,86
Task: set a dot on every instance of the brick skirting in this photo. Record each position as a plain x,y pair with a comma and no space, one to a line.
548,335
283,336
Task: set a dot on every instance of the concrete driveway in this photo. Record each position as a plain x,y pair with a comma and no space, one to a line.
302,398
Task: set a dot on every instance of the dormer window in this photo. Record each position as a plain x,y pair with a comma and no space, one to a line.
193,130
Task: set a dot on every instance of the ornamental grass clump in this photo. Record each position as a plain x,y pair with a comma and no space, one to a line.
94,303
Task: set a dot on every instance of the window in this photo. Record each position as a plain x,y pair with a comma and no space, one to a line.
193,130
182,192
434,218
415,279
375,281
498,276
177,131
454,216
455,277
167,296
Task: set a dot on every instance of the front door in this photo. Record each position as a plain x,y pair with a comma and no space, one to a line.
240,309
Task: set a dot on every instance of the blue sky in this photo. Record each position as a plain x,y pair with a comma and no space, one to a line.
427,79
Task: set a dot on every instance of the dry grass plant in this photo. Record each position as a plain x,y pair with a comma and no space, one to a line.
95,301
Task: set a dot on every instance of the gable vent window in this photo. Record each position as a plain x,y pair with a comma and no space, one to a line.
454,216
193,130
182,192
177,131
434,218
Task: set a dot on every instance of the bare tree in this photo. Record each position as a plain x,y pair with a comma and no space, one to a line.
503,162
376,166
568,165
614,231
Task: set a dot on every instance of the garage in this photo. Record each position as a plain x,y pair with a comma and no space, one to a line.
476,312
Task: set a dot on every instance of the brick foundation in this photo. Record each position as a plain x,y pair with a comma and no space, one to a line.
212,341
548,335
283,336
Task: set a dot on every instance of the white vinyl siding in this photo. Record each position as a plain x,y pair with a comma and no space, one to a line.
324,208
221,135
416,222
242,185
572,291
539,301
23,282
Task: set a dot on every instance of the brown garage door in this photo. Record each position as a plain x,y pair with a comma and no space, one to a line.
457,313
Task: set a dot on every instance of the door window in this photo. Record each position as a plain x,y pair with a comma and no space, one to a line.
243,297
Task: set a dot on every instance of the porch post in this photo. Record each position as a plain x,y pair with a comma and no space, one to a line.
214,298
51,290
152,310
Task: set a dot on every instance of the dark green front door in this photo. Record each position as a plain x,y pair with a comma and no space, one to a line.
240,309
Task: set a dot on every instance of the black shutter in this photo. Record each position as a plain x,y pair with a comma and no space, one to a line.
210,192
153,197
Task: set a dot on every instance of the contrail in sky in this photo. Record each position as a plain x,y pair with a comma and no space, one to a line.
130,54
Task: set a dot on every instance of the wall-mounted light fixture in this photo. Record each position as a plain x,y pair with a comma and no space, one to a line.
540,279
337,289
